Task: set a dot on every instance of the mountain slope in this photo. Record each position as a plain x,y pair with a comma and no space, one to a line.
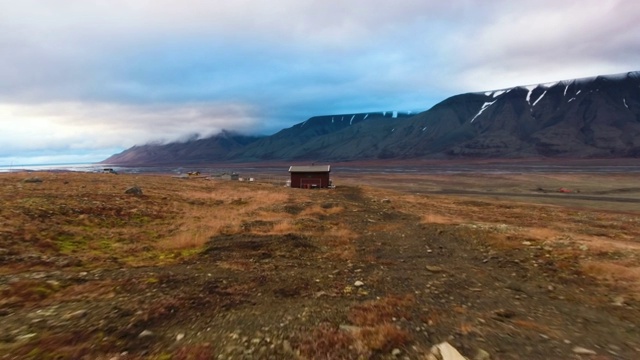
579,118
211,149
311,139
590,117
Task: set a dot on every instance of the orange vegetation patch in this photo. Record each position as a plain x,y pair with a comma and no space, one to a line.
91,290
237,265
537,327
615,273
326,342
24,292
341,242
281,228
541,233
186,239
383,337
194,352
320,210
439,219
383,310
602,243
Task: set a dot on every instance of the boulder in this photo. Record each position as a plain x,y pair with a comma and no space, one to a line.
32,180
134,190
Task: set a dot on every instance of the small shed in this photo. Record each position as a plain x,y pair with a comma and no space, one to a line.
232,176
310,177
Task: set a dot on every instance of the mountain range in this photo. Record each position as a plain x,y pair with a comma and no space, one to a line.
580,118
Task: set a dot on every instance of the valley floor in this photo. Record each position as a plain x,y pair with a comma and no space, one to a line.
382,267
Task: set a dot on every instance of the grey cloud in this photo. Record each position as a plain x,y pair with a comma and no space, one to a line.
95,126
122,72
529,43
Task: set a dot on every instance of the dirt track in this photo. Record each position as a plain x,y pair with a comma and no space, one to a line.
475,273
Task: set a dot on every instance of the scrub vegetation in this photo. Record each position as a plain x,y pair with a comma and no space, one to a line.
379,268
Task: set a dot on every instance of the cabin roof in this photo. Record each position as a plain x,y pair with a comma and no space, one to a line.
310,168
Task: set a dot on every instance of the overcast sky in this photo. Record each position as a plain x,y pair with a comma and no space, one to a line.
83,79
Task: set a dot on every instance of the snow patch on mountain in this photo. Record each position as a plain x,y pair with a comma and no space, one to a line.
484,107
566,83
541,96
530,88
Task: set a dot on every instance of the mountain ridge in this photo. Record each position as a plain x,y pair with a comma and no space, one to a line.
597,116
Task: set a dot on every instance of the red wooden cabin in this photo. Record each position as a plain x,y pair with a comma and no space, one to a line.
310,177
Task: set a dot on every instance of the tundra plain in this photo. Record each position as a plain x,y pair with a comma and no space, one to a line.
384,266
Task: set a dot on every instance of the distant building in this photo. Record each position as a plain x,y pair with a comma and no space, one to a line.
310,177
232,176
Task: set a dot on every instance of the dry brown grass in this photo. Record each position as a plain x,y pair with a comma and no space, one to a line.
319,210
210,209
25,292
440,219
225,212
537,327
194,352
88,218
282,227
341,242
375,312
502,241
338,236
55,345
541,233
382,338
385,227
624,274
236,265
327,342
186,239
97,289
232,193
281,239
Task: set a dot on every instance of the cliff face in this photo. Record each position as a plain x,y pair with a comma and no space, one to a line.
591,117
